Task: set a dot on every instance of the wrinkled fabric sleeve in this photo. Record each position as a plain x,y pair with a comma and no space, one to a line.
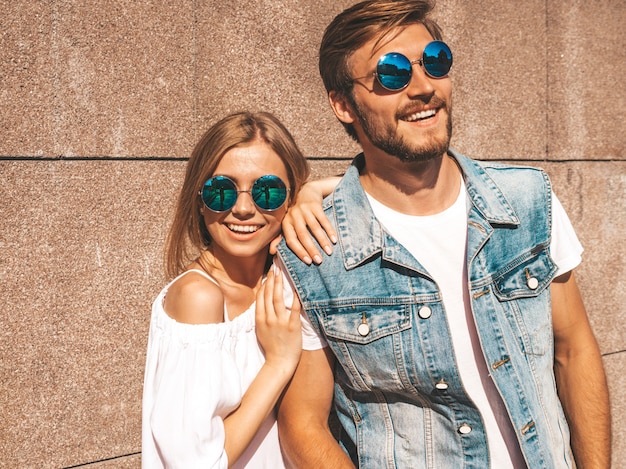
565,248
311,340
190,385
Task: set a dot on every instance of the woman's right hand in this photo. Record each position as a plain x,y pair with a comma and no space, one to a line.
279,330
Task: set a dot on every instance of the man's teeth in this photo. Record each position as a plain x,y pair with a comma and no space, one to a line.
243,228
421,115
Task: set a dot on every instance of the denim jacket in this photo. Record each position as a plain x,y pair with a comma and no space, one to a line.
398,394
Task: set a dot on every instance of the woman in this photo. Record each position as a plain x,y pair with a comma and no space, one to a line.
222,344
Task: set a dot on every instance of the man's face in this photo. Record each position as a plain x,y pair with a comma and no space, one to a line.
413,124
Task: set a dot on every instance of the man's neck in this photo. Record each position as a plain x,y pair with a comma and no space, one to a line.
414,188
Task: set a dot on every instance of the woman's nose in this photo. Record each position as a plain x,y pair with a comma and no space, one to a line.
244,204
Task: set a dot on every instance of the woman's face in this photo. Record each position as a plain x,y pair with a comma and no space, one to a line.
245,230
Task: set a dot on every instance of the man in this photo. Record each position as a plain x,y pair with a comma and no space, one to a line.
447,325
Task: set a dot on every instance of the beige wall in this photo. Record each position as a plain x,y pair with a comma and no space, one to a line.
102,101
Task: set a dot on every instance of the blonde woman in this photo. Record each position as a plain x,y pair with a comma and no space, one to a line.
222,344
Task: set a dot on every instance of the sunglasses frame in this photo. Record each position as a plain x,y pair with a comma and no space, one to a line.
249,191
420,61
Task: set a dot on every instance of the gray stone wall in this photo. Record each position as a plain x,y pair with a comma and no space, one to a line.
102,101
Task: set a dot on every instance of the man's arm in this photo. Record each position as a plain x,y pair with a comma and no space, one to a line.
305,437
580,377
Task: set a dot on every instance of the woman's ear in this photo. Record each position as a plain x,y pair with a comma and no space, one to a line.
341,107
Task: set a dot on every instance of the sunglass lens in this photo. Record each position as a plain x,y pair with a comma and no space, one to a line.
219,193
393,71
269,192
437,59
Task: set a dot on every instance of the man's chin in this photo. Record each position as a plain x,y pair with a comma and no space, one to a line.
434,149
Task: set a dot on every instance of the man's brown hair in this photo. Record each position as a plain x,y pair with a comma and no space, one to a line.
358,25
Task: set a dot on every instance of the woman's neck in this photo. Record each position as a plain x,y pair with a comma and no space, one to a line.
231,270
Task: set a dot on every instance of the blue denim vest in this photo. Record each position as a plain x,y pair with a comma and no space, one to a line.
383,318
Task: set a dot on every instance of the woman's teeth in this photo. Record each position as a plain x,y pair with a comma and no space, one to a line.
243,228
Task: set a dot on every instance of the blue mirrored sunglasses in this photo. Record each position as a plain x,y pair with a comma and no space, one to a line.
220,193
394,70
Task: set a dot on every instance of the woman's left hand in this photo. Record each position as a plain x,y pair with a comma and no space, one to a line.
278,328
305,222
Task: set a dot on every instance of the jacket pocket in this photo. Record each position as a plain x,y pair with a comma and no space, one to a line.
527,276
368,337
363,323
521,288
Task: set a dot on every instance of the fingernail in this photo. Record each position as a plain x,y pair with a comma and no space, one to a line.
317,259
333,238
328,250
307,260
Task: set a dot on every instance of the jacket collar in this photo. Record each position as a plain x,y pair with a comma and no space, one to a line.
360,234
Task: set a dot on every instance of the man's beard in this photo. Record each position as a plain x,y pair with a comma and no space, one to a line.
383,136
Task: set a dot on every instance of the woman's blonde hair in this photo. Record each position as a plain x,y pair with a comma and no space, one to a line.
188,235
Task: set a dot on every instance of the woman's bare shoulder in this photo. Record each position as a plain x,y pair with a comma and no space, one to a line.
194,299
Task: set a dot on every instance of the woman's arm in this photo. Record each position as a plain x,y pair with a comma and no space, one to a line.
279,333
194,299
305,218
191,383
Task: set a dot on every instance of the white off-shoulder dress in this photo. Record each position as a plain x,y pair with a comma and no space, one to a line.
195,376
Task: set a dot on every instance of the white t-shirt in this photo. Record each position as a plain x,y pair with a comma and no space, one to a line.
196,374
439,243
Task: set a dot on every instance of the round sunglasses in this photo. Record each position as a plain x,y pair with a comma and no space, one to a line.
394,70
220,193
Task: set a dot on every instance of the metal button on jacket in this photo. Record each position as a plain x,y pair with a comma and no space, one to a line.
441,385
531,281
465,429
364,327
424,312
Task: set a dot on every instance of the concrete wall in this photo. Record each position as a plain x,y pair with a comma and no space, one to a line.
102,101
